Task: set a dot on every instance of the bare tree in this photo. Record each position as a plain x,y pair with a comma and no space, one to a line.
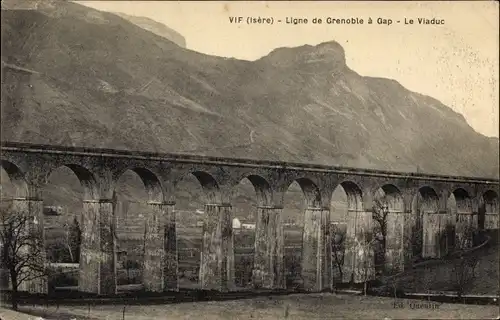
465,273
364,252
379,215
22,249
72,240
338,249
464,268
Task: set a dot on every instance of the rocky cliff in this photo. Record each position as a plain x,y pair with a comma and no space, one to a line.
156,28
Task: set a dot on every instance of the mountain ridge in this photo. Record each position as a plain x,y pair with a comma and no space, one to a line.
294,104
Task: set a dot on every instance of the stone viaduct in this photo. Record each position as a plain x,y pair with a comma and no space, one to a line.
410,199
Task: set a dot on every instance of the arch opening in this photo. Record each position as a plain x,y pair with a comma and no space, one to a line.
13,182
63,193
251,192
425,201
296,199
488,211
191,194
345,201
132,190
310,191
461,224
388,224
462,200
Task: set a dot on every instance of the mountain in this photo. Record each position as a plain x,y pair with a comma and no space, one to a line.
72,75
156,28
105,82
75,75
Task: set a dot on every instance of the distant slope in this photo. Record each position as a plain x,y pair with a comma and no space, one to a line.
156,27
99,80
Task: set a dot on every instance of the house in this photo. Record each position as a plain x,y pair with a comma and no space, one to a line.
236,223
248,226
52,210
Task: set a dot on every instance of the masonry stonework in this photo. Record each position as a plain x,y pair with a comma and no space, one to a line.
417,225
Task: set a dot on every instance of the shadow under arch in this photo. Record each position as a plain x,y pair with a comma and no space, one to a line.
310,191
263,190
463,200
17,179
424,202
150,180
354,195
488,213
209,185
86,177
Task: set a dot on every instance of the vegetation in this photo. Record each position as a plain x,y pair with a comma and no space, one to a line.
22,251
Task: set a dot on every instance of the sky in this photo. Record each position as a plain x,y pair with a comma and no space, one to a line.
456,63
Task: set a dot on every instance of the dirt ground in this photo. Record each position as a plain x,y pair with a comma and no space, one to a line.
300,306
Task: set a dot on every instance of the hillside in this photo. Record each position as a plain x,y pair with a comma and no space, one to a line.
72,75
104,82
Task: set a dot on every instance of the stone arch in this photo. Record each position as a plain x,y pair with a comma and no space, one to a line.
209,185
463,200
310,190
488,213
391,196
461,217
84,175
17,178
354,195
212,193
152,183
427,197
262,188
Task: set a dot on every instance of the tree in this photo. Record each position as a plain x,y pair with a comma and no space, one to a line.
465,273
379,215
464,268
22,249
364,253
338,232
72,240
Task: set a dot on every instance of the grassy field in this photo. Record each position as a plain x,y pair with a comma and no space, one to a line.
442,277
311,306
189,240
189,244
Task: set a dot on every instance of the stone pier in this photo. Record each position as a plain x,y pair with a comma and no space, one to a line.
217,255
316,250
32,208
491,214
466,222
160,248
359,254
395,241
98,248
269,266
491,220
434,224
